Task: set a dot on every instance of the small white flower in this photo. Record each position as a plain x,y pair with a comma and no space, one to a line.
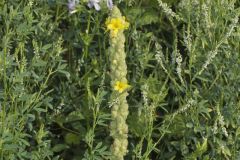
95,4
72,5
109,4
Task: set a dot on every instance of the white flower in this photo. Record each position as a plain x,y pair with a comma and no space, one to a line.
109,4
71,5
95,4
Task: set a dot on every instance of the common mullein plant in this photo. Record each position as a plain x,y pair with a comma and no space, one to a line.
116,23
66,70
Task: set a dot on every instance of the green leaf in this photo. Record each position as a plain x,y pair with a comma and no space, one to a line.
71,138
238,132
59,147
148,17
67,74
39,63
201,148
226,151
74,116
46,47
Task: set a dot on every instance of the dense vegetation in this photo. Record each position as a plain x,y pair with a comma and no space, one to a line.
57,75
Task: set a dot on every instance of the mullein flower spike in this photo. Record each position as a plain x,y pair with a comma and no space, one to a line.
118,71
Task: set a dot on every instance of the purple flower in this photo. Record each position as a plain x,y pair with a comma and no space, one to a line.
109,4
95,4
72,5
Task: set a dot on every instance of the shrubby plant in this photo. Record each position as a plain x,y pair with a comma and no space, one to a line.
60,79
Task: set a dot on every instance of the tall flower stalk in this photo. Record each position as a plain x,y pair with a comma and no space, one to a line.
116,24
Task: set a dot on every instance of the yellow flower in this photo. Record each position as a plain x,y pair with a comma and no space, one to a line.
116,24
121,86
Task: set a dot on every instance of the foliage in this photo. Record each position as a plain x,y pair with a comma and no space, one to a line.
182,64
